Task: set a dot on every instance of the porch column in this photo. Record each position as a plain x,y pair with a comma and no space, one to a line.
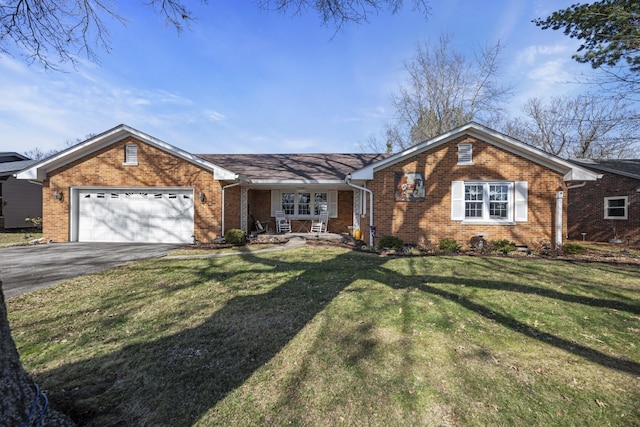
357,208
559,201
244,215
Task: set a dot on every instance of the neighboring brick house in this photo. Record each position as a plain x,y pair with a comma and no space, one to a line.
18,199
609,208
124,185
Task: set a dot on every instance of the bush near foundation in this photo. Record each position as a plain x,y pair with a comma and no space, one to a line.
234,236
574,249
448,246
391,242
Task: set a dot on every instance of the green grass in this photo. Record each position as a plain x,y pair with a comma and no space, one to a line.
18,237
228,250
325,336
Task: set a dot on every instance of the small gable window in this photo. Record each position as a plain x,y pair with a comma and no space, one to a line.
615,207
130,155
465,154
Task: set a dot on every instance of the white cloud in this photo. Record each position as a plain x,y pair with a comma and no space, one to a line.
214,116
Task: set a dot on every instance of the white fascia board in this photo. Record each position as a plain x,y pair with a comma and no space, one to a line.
39,170
367,172
289,182
484,134
581,174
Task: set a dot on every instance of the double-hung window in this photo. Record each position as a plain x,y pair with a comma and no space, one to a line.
615,207
489,201
305,204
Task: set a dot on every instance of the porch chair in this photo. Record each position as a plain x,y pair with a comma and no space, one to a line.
320,225
283,225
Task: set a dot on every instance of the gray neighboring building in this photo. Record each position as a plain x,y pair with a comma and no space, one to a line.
19,199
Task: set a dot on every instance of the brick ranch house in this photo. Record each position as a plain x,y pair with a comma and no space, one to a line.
609,208
125,185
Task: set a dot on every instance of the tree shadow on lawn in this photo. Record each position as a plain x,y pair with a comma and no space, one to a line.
175,380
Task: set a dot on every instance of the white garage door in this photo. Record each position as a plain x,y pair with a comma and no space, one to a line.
154,216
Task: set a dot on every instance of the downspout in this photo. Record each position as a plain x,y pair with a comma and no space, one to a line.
347,180
570,187
582,184
224,188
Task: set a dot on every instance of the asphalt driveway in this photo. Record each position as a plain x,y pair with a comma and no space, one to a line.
27,268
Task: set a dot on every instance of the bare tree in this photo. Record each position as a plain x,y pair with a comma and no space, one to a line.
337,13
584,126
445,89
21,401
57,32
39,154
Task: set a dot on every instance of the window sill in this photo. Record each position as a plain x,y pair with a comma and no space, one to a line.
465,163
469,222
130,164
619,218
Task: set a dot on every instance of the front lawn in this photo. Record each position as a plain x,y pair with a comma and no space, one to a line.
18,237
327,336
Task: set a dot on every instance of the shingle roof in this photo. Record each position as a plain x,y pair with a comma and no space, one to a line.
316,167
625,167
9,168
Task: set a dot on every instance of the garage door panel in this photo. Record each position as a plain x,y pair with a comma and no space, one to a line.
152,216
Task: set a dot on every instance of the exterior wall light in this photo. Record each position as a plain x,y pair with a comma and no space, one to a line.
201,196
57,194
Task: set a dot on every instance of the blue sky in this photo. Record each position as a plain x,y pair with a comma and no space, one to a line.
249,81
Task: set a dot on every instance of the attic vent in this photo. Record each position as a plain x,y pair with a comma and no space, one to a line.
131,155
465,154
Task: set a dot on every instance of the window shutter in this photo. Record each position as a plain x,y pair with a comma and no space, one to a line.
457,200
276,202
465,153
521,201
332,201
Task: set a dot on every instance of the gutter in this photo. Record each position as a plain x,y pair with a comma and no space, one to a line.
581,184
347,181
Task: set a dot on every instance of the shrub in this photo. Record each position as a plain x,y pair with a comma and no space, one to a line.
234,236
505,246
573,249
448,246
36,222
391,242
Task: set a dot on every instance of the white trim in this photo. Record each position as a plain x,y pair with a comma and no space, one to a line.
607,207
130,155
465,154
40,170
516,194
74,201
570,171
332,202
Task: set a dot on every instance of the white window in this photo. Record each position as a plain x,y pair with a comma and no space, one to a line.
304,204
130,155
465,154
615,207
489,201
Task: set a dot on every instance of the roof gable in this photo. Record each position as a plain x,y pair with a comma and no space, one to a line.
624,167
570,171
39,170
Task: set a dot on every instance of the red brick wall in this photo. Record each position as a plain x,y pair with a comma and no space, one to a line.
156,168
586,209
430,221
